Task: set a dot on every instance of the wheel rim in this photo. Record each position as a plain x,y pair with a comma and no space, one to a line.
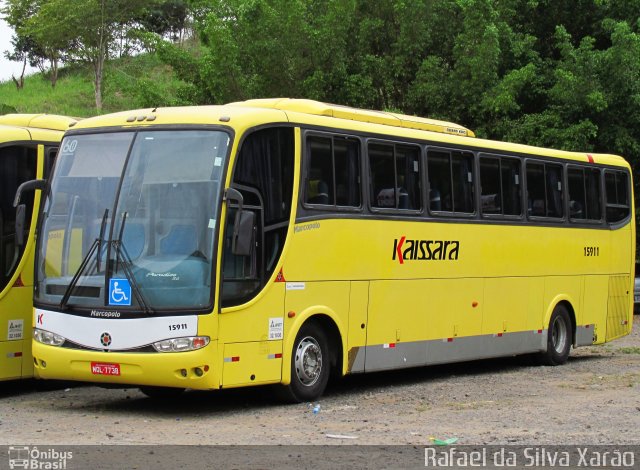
559,335
308,361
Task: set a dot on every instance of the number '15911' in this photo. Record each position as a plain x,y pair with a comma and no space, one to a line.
592,251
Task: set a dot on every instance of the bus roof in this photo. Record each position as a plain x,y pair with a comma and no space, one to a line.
362,115
252,113
33,127
38,121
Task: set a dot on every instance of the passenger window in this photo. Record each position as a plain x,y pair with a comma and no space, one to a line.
584,194
500,183
333,177
395,176
617,190
544,190
450,181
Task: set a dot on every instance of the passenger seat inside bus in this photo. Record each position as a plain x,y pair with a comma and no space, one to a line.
317,192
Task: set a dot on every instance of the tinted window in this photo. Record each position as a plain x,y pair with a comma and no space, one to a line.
584,194
395,176
544,190
500,183
450,181
333,177
616,184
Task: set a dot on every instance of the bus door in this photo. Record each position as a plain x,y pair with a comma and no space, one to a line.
18,163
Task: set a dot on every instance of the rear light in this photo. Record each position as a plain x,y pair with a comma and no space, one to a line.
190,343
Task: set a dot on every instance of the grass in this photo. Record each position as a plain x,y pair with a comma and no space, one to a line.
132,82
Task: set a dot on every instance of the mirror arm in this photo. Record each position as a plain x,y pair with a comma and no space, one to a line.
29,186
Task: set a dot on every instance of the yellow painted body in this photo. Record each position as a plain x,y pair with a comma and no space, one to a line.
16,298
507,278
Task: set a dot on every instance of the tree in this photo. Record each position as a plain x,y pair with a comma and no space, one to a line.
91,26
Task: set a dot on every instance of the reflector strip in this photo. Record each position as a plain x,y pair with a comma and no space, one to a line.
18,282
539,332
15,354
275,356
587,326
448,340
232,359
389,345
498,335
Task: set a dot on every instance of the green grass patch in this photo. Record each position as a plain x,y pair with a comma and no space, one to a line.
630,350
129,83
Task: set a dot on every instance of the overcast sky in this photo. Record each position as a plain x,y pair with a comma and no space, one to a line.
7,67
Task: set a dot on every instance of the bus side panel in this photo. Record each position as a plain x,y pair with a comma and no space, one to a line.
512,304
357,339
404,314
15,333
561,288
594,311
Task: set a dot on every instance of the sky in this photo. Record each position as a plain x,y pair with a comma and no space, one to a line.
7,67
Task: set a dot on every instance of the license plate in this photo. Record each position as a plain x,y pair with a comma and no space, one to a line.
101,368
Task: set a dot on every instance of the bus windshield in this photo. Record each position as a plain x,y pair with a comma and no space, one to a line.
130,221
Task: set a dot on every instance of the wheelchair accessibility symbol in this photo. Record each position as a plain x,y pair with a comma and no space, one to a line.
119,292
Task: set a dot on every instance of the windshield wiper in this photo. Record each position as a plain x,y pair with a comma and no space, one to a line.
96,245
126,263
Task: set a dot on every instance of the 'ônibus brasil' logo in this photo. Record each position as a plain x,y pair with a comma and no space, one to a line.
424,250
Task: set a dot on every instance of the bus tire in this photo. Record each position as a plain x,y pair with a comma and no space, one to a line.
310,365
559,337
162,393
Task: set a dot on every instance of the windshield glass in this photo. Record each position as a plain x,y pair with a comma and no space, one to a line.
130,219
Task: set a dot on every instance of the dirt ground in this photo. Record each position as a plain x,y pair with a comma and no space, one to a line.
594,399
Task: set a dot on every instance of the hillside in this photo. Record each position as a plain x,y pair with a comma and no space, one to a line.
130,82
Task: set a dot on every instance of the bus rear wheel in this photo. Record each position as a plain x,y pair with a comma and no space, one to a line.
559,337
310,365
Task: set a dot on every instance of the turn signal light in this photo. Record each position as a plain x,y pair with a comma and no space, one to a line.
190,343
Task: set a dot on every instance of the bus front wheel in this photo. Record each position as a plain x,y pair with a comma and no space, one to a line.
309,365
559,337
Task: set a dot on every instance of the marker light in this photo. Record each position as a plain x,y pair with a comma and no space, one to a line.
190,343
46,337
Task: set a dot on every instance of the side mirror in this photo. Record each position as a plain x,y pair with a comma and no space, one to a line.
31,185
20,216
243,229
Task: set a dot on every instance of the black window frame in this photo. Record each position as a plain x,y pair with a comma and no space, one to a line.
473,186
306,168
545,163
607,205
419,180
501,157
584,221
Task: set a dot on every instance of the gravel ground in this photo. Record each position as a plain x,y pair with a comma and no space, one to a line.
593,399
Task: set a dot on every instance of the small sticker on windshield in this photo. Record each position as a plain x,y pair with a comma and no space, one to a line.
212,223
217,161
119,292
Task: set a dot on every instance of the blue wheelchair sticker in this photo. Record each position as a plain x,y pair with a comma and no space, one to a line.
119,292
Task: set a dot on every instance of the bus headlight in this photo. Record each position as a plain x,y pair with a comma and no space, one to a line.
46,337
190,343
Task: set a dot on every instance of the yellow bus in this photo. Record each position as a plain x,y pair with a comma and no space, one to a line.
279,241
28,144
